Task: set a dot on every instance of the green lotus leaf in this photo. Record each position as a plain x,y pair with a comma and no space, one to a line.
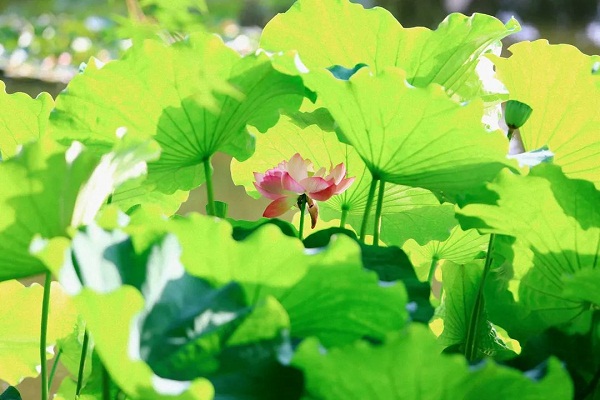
20,332
325,35
405,366
390,264
461,247
46,189
103,273
250,91
23,119
93,383
285,271
565,100
186,330
413,136
38,195
70,348
407,212
461,287
556,226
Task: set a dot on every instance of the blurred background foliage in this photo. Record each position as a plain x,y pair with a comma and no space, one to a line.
49,39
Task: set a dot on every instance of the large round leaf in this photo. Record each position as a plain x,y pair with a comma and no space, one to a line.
20,327
409,366
556,225
407,211
413,136
338,32
46,189
163,95
565,99
23,119
286,272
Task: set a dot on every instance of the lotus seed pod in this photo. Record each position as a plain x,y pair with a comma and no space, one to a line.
516,114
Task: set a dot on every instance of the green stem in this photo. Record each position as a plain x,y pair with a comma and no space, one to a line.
86,339
510,133
432,268
378,209
344,216
54,366
302,206
105,384
43,333
365,220
476,314
210,208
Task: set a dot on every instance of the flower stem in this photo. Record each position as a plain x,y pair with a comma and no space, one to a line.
510,133
86,339
478,307
378,209
210,207
43,333
54,366
302,206
432,268
365,220
105,384
344,216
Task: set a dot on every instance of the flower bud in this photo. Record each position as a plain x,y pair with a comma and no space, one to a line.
516,114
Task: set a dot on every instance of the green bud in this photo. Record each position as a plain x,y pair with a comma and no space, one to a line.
516,114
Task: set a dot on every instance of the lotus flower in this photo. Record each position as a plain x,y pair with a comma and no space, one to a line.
290,180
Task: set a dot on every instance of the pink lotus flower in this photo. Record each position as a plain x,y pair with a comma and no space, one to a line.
287,182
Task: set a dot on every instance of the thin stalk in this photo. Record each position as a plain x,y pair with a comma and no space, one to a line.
344,216
365,220
378,209
43,333
86,339
105,384
510,133
54,366
432,267
210,208
471,342
302,206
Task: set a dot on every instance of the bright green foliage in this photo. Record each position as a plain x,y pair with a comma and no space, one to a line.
565,100
46,189
20,327
180,112
38,195
413,136
287,273
408,211
461,285
461,247
337,32
29,126
408,366
556,224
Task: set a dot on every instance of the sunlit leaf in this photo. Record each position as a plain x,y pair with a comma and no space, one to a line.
404,367
565,100
23,120
46,189
461,286
340,33
556,224
413,136
461,247
407,212
20,327
182,113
